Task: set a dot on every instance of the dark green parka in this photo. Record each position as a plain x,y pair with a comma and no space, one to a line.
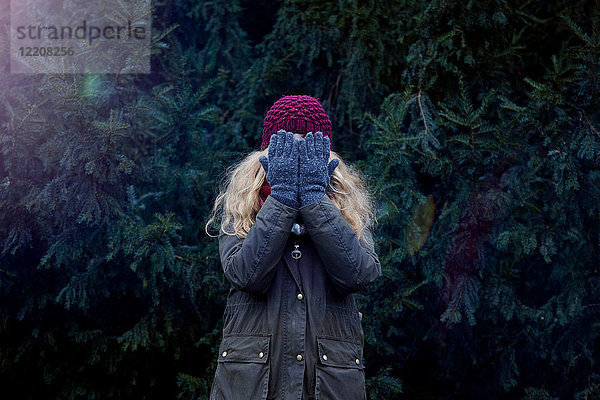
291,327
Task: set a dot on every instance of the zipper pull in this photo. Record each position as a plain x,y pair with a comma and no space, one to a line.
296,254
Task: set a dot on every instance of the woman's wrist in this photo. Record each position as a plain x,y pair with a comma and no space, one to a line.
288,201
310,197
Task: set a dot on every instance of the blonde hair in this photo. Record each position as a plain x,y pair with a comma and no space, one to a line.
240,198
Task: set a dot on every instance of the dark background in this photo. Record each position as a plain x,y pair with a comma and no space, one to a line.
477,124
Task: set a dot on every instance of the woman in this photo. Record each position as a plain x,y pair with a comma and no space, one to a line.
295,244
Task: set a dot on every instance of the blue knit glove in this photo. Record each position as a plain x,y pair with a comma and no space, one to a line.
282,168
315,167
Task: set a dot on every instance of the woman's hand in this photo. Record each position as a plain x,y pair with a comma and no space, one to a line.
282,168
315,167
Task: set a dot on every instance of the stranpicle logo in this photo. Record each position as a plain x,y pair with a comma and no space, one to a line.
66,36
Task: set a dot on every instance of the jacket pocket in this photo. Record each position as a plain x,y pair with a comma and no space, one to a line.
340,373
242,368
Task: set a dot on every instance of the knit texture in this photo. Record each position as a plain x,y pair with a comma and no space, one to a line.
281,168
315,169
297,114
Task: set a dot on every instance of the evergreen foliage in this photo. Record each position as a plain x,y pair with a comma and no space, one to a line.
477,124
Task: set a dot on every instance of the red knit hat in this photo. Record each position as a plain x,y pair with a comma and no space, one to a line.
296,114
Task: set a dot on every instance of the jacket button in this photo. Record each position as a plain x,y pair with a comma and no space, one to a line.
299,296
224,354
325,357
357,361
260,355
299,357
